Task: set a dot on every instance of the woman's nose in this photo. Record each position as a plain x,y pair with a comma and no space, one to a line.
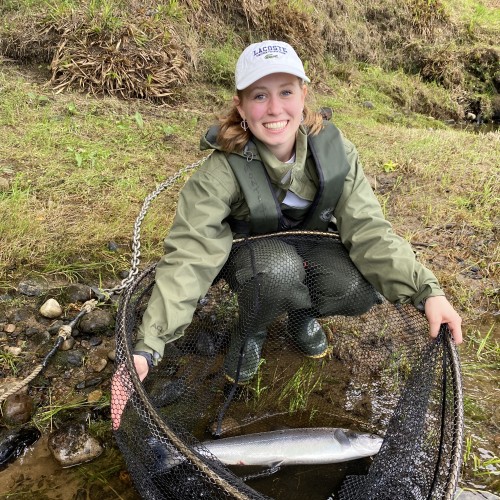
274,106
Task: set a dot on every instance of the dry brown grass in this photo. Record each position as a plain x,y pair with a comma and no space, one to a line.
119,63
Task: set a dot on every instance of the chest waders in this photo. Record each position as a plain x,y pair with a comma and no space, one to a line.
332,167
258,272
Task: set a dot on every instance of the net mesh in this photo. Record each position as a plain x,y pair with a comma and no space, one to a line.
290,335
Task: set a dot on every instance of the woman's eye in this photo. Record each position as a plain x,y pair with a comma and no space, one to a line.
286,92
259,97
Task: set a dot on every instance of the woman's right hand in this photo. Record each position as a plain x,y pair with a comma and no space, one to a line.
122,387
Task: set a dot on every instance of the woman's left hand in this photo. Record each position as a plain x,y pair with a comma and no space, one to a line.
438,311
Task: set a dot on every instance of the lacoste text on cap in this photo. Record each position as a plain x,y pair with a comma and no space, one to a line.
265,58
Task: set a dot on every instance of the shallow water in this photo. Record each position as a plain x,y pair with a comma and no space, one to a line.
37,475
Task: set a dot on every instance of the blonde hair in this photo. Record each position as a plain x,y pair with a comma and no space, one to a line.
232,138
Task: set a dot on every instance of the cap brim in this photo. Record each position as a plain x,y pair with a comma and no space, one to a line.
262,72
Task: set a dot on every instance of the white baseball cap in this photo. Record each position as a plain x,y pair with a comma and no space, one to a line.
265,58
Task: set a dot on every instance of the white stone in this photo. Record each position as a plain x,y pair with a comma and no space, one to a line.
51,309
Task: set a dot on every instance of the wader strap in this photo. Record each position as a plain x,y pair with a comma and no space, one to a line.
332,167
256,186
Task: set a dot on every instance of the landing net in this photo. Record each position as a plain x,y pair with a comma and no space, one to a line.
291,335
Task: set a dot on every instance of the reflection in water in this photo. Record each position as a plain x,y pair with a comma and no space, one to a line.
478,128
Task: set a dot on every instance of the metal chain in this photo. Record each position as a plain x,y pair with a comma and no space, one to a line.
136,237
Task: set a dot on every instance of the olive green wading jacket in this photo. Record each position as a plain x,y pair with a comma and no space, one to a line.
200,239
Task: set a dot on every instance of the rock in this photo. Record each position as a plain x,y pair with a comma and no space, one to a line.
30,288
31,330
368,104
14,442
112,355
73,445
53,329
75,358
98,364
15,351
20,314
78,293
51,309
229,427
95,341
68,344
94,396
88,383
17,409
9,328
97,321
112,246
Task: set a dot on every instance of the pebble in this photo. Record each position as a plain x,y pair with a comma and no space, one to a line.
88,383
9,328
98,364
94,396
95,341
229,427
30,331
15,351
112,246
68,344
73,445
112,355
51,309
75,358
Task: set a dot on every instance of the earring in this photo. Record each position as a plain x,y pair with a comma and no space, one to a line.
301,117
244,125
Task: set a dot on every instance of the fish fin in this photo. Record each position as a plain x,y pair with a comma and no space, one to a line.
266,472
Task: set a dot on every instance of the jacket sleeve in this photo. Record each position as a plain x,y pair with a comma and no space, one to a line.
196,248
385,259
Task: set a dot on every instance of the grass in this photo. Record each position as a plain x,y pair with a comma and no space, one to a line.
300,386
481,366
9,362
45,416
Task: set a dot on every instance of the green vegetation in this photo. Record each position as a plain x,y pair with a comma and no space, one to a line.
44,417
300,386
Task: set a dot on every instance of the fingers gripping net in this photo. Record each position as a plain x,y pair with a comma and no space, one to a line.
290,335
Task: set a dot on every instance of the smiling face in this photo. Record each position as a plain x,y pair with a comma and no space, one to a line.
272,107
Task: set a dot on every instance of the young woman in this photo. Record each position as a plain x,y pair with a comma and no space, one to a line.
272,144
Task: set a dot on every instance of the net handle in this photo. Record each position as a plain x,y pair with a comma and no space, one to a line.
458,430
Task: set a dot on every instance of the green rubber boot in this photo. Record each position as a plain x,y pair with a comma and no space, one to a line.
307,334
250,357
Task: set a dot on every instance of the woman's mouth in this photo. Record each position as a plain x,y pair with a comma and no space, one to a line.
276,125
